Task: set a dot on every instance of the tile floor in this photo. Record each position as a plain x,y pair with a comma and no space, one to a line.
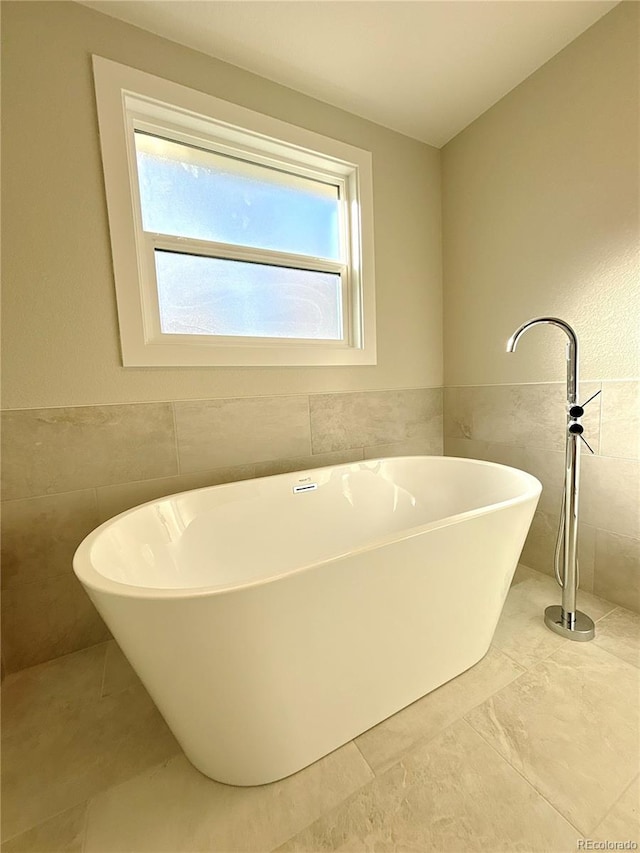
533,749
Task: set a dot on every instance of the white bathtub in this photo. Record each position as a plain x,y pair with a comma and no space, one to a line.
270,627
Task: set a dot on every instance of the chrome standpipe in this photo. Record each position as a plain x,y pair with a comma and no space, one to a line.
566,619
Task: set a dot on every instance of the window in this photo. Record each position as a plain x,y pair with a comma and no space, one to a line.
237,239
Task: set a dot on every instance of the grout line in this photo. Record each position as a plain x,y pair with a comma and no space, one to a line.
311,451
614,804
424,739
606,601
542,448
104,674
540,382
56,659
523,666
175,439
96,506
85,827
600,407
54,494
48,818
522,776
616,656
362,755
224,397
324,814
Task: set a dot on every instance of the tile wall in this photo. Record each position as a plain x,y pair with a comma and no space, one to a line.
523,426
65,470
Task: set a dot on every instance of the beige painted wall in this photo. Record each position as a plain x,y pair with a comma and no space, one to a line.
540,216
60,337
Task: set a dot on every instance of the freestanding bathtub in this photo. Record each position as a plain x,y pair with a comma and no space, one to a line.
273,620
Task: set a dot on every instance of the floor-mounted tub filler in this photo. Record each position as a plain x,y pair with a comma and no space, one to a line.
565,619
275,619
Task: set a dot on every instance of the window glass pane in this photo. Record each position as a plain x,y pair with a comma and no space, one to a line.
189,192
214,296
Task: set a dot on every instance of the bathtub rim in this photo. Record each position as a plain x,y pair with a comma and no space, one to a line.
92,579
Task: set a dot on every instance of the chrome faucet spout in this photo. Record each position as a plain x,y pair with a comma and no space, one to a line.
572,350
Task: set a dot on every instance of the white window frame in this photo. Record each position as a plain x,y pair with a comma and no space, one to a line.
129,100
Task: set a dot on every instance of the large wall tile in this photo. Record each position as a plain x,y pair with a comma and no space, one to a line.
617,569
40,535
458,412
304,463
610,494
539,548
44,620
525,415
115,499
219,433
523,426
504,454
548,466
60,450
620,419
369,418
413,447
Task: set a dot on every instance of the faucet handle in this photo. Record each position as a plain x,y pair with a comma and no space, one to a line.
577,411
578,429
584,441
592,397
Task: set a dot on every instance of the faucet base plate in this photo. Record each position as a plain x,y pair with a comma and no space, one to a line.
583,628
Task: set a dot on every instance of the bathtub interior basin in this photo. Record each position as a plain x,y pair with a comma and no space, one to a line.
223,537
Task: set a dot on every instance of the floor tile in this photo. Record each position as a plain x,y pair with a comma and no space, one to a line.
63,833
569,725
619,633
622,823
68,680
385,743
56,754
523,573
452,794
174,808
118,672
521,632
